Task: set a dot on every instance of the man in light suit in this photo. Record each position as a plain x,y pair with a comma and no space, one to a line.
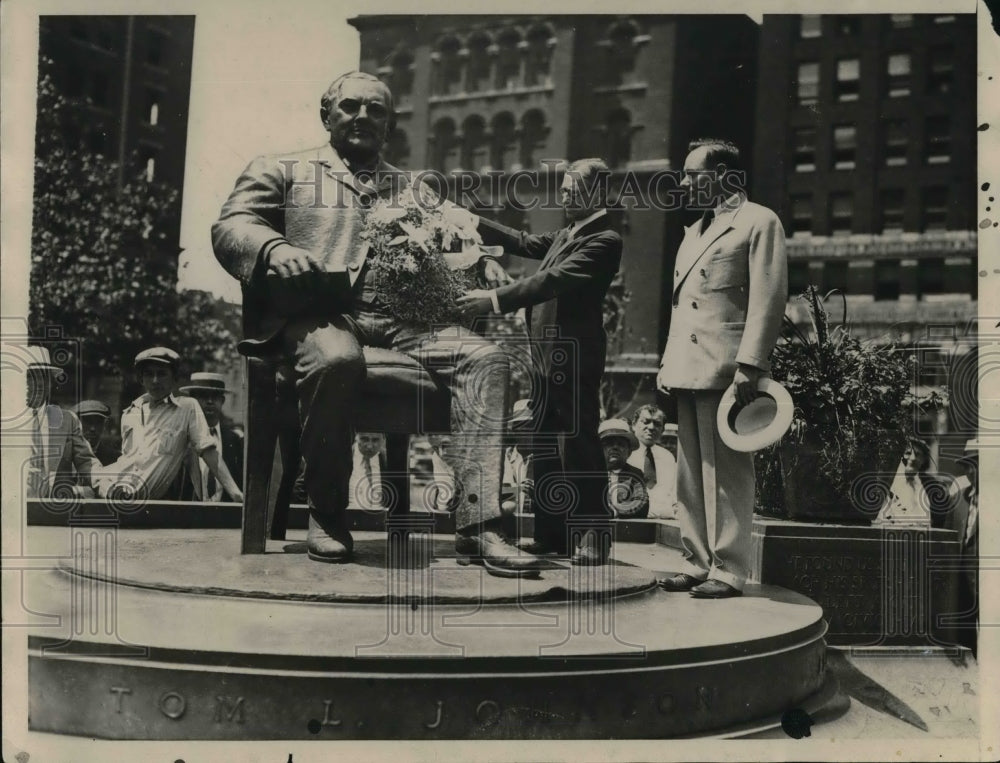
730,289
565,317
291,233
60,454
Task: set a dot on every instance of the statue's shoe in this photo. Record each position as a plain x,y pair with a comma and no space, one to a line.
328,539
500,557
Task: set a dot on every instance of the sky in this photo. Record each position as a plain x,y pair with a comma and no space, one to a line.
255,89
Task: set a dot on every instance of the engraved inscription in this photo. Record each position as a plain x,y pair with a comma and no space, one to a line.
172,705
707,697
327,710
665,704
488,712
437,720
225,707
119,692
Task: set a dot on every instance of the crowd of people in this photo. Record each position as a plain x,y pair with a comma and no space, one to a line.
173,446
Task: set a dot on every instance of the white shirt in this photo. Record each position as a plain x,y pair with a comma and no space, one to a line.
663,495
205,471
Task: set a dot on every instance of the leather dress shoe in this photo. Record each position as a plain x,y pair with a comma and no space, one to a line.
593,551
328,539
679,582
499,556
715,589
542,548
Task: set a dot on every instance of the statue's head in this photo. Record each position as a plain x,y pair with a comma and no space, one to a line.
358,112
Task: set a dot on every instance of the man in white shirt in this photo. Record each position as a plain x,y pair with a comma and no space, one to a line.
657,464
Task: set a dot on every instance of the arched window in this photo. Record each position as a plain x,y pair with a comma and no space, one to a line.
397,149
533,135
619,137
401,77
540,41
447,67
621,50
475,147
480,62
508,59
444,145
504,130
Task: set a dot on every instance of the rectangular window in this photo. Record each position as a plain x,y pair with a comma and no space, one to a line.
798,276
845,145
808,81
835,275
810,25
153,98
804,149
156,44
940,69
802,215
935,208
895,142
930,276
898,75
887,279
847,86
937,140
891,201
848,26
841,213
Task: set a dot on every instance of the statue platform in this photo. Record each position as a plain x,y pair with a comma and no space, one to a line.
171,634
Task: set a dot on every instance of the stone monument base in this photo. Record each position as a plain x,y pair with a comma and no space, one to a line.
878,586
171,634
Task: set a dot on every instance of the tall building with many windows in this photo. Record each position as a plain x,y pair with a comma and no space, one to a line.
131,78
865,126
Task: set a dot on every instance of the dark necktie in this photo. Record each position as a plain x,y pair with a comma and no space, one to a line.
706,220
649,468
212,484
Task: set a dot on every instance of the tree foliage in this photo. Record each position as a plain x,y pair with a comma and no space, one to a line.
104,252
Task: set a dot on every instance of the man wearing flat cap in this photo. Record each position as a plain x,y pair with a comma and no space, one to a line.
158,432
59,451
209,389
94,416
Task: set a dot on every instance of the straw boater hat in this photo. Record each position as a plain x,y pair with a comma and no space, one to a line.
617,428
205,381
92,408
39,360
162,355
759,424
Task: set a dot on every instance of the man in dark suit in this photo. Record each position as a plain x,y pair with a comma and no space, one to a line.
566,327
293,225
627,492
730,289
209,389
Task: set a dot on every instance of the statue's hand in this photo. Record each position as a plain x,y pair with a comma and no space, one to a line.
287,261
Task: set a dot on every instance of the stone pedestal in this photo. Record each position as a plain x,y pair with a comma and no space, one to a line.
204,643
890,586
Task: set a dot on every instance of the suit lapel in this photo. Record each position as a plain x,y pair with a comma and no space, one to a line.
694,245
563,239
558,243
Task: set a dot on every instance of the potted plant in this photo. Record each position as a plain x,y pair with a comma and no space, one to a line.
854,408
